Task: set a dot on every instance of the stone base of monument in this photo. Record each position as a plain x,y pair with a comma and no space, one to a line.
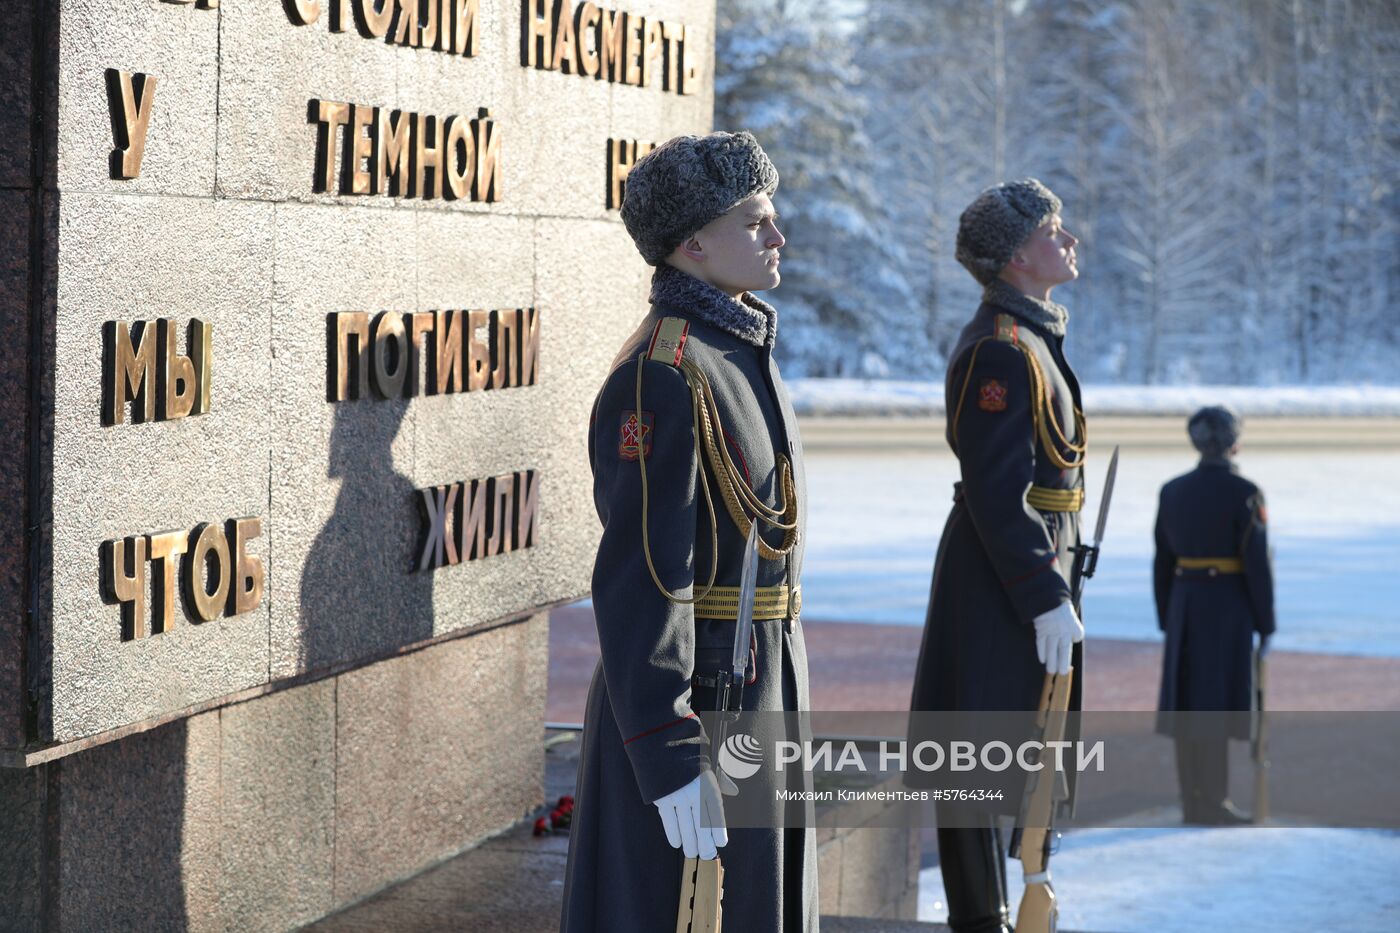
514,882
270,813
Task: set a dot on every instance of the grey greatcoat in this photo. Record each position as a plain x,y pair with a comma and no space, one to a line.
1209,617
641,737
1001,561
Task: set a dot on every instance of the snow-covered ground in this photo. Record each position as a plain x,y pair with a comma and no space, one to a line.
872,397
874,523
875,519
1236,880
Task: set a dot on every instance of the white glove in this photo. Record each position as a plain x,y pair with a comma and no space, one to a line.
1056,632
694,817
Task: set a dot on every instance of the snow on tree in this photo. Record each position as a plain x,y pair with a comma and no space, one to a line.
1233,169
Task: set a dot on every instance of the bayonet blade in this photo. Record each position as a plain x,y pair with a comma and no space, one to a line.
748,588
1107,497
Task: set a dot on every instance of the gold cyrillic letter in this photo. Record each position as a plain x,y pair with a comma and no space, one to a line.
124,578
503,349
459,158
329,114
130,96
536,33
206,540
691,51
586,38
465,30
202,355
672,33
130,371
447,368
479,327
439,505
651,50
393,167
427,156
343,326
527,518
248,580
390,354
177,383
406,29
502,530
565,48
487,186
165,547
529,347
632,50
610,29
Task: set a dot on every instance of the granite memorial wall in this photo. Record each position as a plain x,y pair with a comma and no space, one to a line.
305,305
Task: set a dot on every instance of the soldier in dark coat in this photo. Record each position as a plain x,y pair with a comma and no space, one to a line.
1000,612
1214,587
679,476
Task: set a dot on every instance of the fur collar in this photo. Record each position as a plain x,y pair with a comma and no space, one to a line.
1046,315
750,319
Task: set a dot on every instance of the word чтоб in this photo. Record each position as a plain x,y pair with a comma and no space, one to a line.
236,577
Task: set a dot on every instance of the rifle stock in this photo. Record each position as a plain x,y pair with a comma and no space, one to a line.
1038,912
702,889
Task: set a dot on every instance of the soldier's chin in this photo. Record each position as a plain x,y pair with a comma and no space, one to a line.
764,282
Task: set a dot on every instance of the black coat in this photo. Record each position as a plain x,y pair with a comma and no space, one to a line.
1000,561
1210,618
641,739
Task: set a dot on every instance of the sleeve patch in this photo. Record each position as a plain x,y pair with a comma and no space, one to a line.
634,435
992,395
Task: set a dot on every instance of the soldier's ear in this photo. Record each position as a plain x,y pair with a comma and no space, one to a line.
691,249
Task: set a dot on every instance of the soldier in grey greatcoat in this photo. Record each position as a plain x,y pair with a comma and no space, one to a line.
1000,612
679,476
1215,590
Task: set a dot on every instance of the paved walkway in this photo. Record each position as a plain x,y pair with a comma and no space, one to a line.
514,883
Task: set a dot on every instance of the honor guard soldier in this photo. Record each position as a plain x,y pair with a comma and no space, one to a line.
1215,589
693,439
1000,612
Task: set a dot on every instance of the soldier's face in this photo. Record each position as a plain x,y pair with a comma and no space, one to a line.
739,251
1047,258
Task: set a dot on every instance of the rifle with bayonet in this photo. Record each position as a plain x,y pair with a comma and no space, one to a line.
1034,836
702,880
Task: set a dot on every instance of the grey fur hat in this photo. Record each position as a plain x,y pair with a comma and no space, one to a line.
688,181
998,221
1214,430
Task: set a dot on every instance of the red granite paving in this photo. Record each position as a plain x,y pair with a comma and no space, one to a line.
865,667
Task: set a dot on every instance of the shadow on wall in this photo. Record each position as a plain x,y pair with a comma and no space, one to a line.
359,594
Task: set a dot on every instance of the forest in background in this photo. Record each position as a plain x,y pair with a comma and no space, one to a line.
1231,166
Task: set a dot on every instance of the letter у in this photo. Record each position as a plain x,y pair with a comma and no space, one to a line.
130,97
